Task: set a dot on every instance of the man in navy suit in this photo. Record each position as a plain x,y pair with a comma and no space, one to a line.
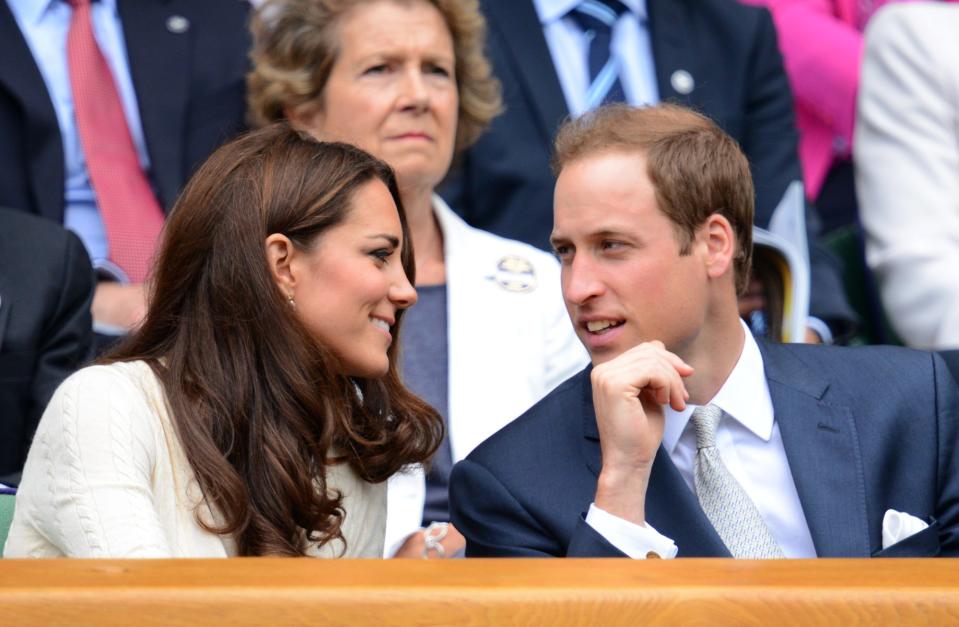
716,56
179,67
819,451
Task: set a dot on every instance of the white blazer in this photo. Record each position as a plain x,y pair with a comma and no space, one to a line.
510,342
907,168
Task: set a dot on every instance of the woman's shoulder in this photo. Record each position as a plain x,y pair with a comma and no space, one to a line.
117,378
107,392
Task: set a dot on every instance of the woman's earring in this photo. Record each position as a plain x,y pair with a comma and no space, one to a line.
290,300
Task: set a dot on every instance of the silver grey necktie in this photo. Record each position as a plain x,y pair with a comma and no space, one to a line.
728,507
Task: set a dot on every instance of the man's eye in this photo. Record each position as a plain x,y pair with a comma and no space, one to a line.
563,252
612,245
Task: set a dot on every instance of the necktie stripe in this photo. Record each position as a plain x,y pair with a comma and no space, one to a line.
600,11
602,85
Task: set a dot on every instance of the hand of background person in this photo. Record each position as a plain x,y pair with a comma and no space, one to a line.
453,544
119,305
629,393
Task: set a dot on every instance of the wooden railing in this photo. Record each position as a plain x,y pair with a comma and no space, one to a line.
478,592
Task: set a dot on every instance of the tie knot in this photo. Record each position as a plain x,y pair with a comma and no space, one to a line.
597,15
705,420
76,4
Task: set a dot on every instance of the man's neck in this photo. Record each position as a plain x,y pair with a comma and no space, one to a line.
713,355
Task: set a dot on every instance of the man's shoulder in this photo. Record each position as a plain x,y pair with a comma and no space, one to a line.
25,232
556,421
853,368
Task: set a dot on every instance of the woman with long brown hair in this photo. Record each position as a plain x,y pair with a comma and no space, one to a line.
407,80
258,409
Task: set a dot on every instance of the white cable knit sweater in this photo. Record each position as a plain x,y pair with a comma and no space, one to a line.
106,477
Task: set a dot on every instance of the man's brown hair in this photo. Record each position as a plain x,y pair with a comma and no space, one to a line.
696,169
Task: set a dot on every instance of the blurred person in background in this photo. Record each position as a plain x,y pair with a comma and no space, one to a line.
46,332
258,409
408,82
106,108
907,168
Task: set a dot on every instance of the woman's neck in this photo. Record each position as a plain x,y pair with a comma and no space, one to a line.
427,237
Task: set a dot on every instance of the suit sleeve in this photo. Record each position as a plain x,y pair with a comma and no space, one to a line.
496,524
907,160
68,329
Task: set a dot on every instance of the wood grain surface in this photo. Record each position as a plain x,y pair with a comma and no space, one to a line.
478,592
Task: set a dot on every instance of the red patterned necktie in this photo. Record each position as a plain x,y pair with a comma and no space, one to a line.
130,210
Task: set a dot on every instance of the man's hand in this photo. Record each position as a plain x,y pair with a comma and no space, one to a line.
628,395
119,305
453,544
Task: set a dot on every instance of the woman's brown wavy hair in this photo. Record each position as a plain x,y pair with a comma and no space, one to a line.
258,405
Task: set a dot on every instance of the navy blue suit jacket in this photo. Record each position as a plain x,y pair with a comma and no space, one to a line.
46,331
191,94
504,183
865,430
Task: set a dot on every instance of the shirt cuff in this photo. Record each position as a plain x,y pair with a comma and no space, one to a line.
636,541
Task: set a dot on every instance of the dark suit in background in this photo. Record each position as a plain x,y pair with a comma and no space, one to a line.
504,184
865,430
190,88
46,286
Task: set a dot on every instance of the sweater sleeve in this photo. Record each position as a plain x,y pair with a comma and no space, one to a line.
87,483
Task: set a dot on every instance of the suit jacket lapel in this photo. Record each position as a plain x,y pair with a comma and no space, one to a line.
521,34
159,61
673,49
20,76
671,507
822,446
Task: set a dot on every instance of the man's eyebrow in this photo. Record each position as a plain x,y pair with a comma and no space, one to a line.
392,239
592,235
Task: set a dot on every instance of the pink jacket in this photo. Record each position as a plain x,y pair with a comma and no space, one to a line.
821,43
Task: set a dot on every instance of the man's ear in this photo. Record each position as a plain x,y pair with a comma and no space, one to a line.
279,257
720,242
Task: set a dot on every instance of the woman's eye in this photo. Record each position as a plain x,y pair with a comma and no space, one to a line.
377,69
438,70
382,254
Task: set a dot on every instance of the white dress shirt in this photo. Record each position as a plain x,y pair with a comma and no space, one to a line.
569,48
751,447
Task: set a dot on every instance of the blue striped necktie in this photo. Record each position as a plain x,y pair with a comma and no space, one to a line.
596,18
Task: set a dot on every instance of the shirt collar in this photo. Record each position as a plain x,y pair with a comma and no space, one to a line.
33,11
744,397
553,10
